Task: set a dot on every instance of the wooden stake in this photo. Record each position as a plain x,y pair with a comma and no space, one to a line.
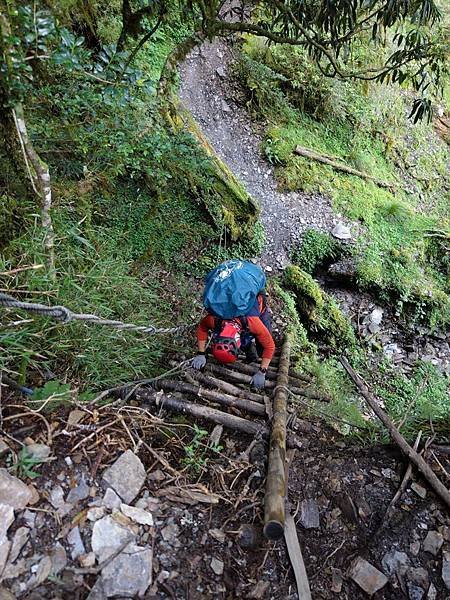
296,558
274,501
413,456
219,397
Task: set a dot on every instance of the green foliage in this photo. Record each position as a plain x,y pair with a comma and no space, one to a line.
196,452
365,128
316,250
25,463
300,342
52,395
416,398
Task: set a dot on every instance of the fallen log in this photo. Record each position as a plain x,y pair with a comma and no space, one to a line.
414,457
242,378
274,500
255,408
229,388
203,412
312,155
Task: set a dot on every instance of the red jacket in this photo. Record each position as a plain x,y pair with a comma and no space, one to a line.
255,326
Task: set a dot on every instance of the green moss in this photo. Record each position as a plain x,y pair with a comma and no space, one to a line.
363,127
300,342
319,310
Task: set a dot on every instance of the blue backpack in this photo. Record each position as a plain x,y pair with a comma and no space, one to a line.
231,289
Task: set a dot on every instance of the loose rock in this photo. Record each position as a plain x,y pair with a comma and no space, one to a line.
341,232
446,569
5,546
6,518
337,580
415,592
19,541
394,562
129,574
95,513
217,566
419,490
309,514
433,542
137,514
367,576
78,493
126,476
76,543
108,536
59,559
6,594
39,451
13,492
111,500
259,591
87,560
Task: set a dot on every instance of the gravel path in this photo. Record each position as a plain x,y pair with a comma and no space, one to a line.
206,91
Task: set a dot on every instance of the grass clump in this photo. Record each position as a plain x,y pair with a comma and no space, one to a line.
317,250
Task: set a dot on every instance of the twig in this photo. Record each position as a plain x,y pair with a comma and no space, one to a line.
20,269
403,484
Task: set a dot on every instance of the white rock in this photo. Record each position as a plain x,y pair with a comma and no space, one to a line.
367,576
225,107
19,541
108,536
75,543
111,500
6,518
137,514
42,571
39,451
341,231
217,534
376,316
13,492
126,476
56,497
395,562
95,513
129,574
5,546
217,566
221,72
309,515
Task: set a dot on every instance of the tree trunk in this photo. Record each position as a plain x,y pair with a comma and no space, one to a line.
40,180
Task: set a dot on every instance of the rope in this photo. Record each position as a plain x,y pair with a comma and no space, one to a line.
64,315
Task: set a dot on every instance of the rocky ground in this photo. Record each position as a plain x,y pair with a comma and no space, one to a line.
108,508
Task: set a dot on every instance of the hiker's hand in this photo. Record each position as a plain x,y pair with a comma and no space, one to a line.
199,362
258,380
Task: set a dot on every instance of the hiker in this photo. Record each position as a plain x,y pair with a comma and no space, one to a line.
238,318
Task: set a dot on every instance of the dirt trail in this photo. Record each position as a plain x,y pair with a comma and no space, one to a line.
207,92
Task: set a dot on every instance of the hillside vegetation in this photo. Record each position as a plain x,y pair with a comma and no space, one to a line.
143,208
